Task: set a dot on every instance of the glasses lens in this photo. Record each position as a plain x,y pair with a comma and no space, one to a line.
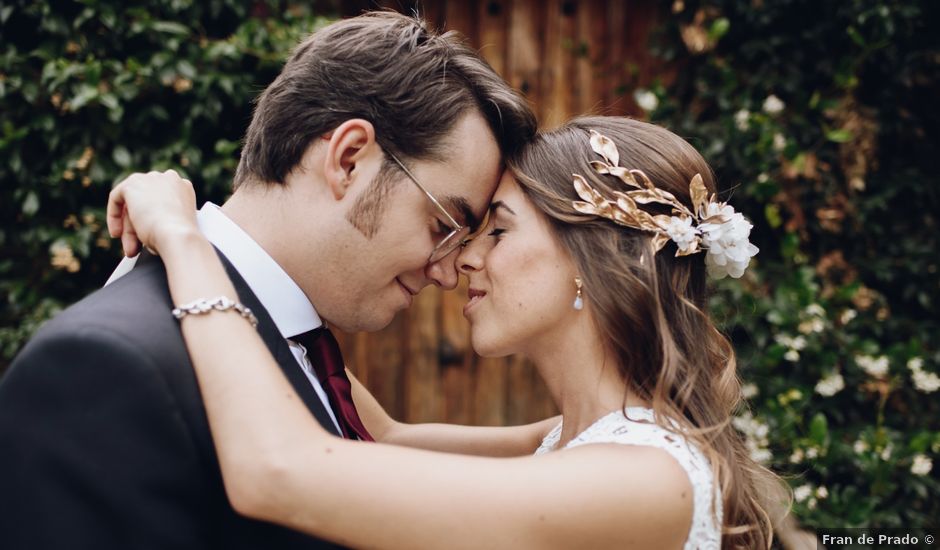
449,244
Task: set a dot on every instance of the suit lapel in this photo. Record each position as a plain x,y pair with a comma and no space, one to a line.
275,343
279,348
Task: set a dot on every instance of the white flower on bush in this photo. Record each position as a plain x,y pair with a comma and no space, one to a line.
646,99
680,230
822,492
798,343
874,366
803,492
860,446
812,325
922,465
755,436
729,251
779,142
742,120
749,390
815,321
797,456
926,382
830,385
773,105
815,310
748,425
847,316
812,453
792,355
886,452
761,456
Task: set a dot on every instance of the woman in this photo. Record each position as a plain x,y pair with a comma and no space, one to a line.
592,265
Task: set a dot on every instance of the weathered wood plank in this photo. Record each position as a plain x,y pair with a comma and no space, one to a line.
422,388
524,59
490,399
492,35
558,64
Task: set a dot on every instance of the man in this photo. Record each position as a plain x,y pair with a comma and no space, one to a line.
366,162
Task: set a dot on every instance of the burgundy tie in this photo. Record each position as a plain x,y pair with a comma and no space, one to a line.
327,361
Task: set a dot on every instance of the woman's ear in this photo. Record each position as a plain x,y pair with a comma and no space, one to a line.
348,144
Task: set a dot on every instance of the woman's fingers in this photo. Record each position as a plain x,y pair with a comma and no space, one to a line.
115,211
129,241
143,207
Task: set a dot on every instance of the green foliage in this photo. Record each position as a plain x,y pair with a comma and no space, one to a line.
820,119
93,90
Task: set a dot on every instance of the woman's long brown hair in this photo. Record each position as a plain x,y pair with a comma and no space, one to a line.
650,307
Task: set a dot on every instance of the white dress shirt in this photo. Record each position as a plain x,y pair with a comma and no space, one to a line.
285,302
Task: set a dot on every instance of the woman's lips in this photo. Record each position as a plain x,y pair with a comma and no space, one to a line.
475,296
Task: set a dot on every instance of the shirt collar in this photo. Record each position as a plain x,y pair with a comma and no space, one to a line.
287,304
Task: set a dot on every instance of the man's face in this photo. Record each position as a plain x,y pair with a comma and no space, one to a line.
372,277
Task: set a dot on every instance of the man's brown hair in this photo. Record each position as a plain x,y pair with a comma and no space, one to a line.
412,84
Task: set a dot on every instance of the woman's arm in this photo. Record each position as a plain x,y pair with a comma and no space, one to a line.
448,438
279,465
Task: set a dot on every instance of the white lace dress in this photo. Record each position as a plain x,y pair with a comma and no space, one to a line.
639,429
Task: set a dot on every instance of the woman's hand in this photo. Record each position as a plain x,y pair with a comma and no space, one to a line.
151,209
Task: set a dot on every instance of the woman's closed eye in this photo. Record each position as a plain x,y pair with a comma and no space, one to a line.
496,233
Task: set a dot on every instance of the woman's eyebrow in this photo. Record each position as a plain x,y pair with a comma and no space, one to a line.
500,204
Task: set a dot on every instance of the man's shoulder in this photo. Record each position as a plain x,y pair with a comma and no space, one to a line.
135,306
123,334
130,319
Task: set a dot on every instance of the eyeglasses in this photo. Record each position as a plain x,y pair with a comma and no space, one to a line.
458,233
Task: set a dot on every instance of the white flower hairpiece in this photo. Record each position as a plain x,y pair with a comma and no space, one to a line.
710,226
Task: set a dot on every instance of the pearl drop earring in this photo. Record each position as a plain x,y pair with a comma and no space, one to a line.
578,301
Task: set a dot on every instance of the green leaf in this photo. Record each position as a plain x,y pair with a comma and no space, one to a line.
85,94
719,28
121,156
839,135
772,213
819,429
170,27
31,204
920,442
855,36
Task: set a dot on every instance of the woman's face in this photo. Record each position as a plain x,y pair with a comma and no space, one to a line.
521,280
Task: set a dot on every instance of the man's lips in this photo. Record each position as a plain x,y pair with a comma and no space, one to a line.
409,294
403,285
475,296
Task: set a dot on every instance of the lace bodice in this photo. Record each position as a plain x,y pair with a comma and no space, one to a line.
638,428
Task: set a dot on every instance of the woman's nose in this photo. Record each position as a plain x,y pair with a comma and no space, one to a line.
470,258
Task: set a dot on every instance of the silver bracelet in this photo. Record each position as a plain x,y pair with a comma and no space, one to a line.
220,303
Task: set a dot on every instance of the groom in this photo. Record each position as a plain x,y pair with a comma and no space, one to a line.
366,162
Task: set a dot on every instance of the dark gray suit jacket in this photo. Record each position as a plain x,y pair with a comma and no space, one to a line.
104,441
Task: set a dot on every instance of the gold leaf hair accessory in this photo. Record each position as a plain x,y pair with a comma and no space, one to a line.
711,226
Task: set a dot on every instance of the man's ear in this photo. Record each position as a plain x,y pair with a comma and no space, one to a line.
349,143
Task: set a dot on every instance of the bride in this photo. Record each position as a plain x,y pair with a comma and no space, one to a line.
592,265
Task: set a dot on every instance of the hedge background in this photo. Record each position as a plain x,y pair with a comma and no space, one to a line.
819,118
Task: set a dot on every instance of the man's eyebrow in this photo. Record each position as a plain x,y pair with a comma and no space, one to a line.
466,216
500,204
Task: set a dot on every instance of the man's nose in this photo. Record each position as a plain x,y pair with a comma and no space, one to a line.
443,272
